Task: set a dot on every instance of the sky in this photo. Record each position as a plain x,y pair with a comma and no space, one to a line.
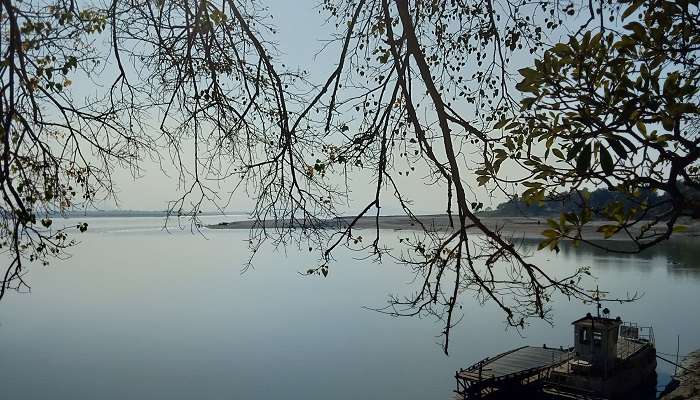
300,31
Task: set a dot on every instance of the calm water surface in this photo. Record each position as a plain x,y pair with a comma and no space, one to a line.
138,313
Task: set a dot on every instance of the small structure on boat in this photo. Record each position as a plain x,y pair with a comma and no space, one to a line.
609,359
595,343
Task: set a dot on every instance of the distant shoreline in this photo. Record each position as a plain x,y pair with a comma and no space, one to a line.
522,227
133,214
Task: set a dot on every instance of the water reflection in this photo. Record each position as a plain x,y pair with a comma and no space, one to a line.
140,313
680,257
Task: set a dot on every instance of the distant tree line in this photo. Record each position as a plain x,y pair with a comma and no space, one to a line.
646,204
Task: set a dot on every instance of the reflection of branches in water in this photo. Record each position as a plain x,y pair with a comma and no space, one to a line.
676,256
683,272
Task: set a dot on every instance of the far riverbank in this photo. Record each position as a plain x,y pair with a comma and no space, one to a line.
526,228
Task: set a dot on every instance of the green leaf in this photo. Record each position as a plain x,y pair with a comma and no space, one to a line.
608,230
606,161
501,123
637,28
583,162
668,123
544,244
574,150
677,109
561,49
641,128
550,233
529,74
680,228
528,102
586,39
526,86
632,8
618,148
671,84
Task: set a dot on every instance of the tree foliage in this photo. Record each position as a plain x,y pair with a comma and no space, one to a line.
56,152
576,202
617,108
420,89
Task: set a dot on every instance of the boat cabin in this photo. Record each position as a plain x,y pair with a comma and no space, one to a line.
595,342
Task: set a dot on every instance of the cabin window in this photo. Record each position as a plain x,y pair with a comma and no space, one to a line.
584,336
597,338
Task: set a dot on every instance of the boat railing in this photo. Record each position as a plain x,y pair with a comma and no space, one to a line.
630,330
634,338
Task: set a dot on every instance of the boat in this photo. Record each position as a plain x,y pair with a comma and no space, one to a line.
609,359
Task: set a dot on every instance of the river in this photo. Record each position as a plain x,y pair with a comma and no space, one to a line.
141,313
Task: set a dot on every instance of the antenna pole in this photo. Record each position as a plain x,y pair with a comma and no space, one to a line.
678,348
596,297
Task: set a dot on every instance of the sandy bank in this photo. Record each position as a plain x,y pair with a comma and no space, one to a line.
689,380
515,226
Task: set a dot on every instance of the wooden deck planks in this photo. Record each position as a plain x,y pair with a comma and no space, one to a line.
516,362
628,347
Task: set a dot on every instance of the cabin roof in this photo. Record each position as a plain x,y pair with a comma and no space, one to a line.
589,320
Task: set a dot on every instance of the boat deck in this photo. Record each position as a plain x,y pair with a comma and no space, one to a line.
626,347
520,366
516,361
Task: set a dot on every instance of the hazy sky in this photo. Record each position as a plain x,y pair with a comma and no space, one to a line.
299,29
300,32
